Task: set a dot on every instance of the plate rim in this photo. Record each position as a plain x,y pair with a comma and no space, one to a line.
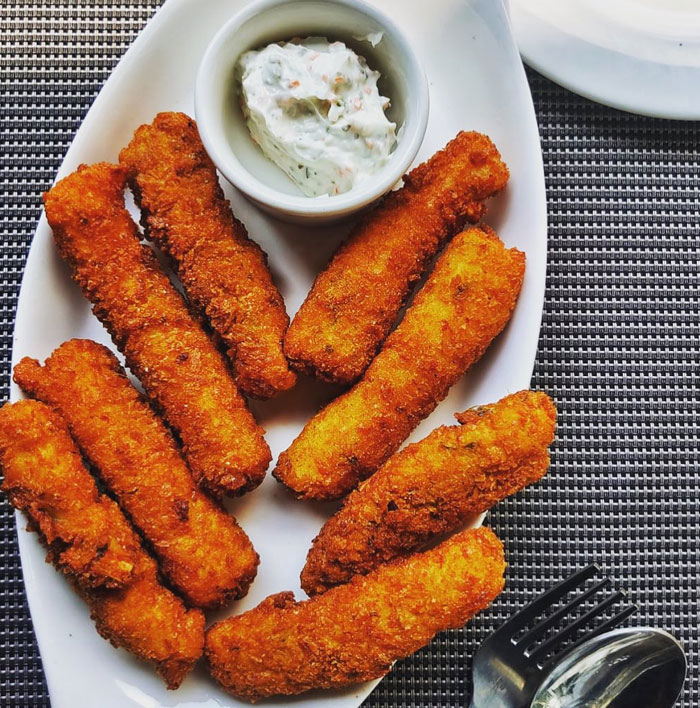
540,42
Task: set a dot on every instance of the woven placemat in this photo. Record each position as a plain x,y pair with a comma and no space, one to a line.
618,349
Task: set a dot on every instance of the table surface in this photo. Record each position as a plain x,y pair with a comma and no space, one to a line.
618,348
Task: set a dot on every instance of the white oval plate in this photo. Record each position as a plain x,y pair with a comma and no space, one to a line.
477,82
641,56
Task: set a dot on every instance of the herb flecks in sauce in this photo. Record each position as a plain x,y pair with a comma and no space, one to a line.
314,109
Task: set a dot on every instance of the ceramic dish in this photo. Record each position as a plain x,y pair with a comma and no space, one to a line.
225,134
641,56
476,81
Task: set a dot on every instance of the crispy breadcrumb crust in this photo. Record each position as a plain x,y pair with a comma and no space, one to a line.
356,299
224,272
147,620
182,372
432,487
45,478
200,548
355,632
467,300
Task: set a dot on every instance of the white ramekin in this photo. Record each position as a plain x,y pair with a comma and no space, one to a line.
226,137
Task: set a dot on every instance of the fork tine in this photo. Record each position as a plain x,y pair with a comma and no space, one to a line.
613,622
520,619
544,648
541,627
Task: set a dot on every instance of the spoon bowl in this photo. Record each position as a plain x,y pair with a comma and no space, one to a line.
624,668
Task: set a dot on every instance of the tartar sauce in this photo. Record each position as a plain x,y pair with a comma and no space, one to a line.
314,109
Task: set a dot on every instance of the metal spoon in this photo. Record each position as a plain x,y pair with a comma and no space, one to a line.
625,668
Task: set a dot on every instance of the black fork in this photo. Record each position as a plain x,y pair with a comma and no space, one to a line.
513,661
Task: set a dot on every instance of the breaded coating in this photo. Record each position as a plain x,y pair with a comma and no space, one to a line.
465,303
46,479
355,301
224,273
182,372
200,549
433,487
147,620
355,632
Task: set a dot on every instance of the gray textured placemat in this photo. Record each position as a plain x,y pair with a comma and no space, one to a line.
618,350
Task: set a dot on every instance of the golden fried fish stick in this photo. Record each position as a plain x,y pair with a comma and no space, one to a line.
200,548
46,479
354,632
180,369
355,301
224,273
465,303
433,487
147,620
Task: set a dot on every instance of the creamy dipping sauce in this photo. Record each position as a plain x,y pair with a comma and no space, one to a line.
314,109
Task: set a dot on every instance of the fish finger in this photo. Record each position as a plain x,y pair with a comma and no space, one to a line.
355,632
147,620
200,549
164,346
355,301
223,271
465,303
45,478
433,487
